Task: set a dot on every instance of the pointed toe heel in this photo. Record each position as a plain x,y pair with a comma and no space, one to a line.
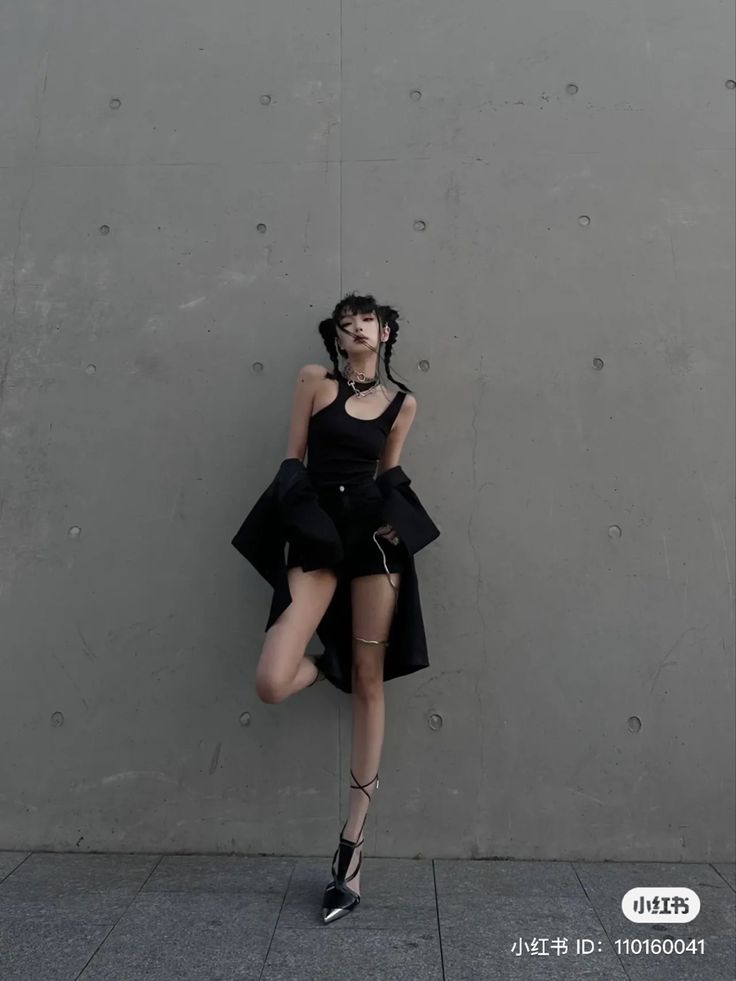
338,902
339,899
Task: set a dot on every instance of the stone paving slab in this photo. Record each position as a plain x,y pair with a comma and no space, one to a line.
10,861
494,914
121,917
605,884
399,895
728,871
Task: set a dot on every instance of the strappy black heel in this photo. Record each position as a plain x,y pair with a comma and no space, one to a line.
339,899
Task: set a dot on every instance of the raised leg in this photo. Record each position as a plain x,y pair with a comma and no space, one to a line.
283,669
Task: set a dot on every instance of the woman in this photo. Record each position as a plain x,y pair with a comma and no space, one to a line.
348,422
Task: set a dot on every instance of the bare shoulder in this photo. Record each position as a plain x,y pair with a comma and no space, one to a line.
393,392
311,376
313,371
409,405
405,415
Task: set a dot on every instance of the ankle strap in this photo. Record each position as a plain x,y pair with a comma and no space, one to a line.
359,786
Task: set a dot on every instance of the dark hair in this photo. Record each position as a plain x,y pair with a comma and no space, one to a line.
356,304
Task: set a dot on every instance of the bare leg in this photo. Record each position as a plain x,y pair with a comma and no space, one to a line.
373,599
283,669
372,610
306,673
367,745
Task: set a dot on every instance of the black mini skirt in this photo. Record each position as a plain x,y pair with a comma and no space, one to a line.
355,511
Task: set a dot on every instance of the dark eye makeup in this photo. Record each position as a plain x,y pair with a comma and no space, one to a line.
366,316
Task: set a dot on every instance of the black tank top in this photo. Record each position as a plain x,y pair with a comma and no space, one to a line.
344,450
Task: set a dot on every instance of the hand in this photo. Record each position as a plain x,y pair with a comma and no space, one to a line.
386,531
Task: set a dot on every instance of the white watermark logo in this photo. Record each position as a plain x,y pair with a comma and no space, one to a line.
660,904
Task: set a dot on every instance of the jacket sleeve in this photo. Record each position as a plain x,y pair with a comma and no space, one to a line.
288,510
259,538
302,518
403,510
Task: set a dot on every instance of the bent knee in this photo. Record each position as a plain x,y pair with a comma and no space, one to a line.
270,690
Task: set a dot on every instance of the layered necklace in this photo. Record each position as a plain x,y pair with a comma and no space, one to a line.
357,379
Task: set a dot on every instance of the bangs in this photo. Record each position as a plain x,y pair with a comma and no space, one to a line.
357,305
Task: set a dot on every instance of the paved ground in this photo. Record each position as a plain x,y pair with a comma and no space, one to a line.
225,918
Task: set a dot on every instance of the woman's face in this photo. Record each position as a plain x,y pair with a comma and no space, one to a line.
360,332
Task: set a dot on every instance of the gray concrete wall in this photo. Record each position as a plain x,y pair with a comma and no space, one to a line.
573,165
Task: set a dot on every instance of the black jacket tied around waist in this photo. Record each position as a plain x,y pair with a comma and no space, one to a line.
289,510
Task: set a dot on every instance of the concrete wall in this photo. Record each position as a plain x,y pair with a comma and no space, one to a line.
573,166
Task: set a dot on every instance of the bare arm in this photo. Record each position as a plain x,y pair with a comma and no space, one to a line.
301,409
396,438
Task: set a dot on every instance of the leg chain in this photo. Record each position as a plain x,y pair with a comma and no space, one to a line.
393,586
388,574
